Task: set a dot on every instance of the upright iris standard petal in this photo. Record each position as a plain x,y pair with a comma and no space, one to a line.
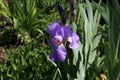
51,28
58,54
67,31
64,31
74,41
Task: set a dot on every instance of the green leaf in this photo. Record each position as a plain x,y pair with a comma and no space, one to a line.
40,31
14,65
74,27
6,15
23,60
3,5
55,75
116,71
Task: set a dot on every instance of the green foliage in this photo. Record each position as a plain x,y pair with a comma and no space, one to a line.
30,60
26,18
5,10
6,37
91,38
111,12
26,62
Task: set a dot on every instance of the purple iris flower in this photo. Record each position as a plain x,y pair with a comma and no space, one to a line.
60,34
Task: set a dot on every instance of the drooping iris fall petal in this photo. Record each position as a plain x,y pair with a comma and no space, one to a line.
74,45
58,54
74,41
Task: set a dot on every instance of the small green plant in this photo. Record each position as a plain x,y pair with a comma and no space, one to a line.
26,62
110,13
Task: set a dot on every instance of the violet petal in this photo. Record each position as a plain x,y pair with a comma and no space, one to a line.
74,41
51,28
58,54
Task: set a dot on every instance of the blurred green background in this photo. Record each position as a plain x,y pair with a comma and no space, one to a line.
24,50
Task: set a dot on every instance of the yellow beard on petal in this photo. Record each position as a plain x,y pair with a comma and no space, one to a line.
57,42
